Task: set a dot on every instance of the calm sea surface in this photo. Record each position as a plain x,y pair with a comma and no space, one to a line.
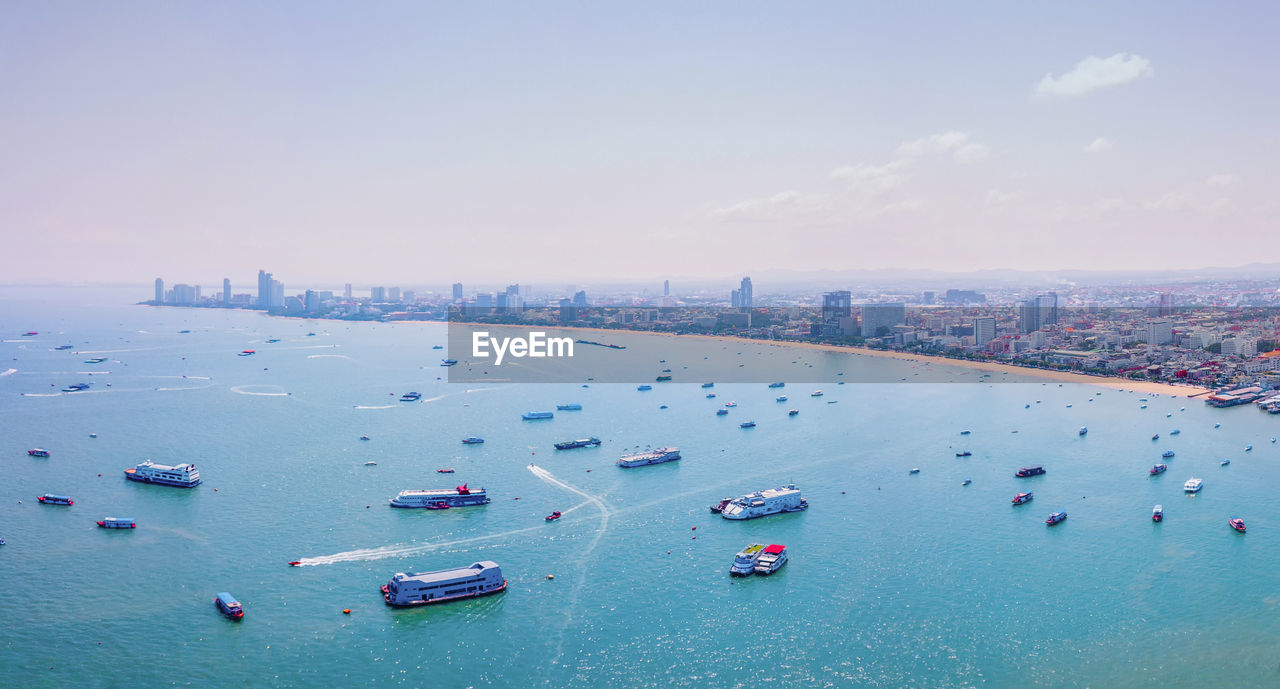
895,580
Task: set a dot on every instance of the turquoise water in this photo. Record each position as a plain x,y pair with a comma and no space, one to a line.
894,580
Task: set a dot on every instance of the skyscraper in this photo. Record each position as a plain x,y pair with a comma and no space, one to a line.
346,292
1038,312
393,294
745,298
836,305
226,291
311,301
984,330
666,288
1159,333
264,289
735,298
159,291
876,317
377,294
457,292
1166,304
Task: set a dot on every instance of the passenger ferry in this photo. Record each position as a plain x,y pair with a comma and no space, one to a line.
117,523
411,397
580,442
1158,469
424,588
229,606
744,563
181,475
1026,472
473,440
747,424
765,502
658,456
1193,485
1021,498
51,499
1056,517
569,407
536,415
450,497
1157,513
37,452
772,559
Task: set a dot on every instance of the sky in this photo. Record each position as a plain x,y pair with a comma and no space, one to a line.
423,143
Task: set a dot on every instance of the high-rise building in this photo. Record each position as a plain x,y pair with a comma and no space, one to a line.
393,294
580,299
984,330
408,296
197,293
1166,304
277,295
879,318
1038,312
735,298
929,298
311,301
1159,333
745,298
836,305
159,291
378,294
226,291
457,291
184,295
264,289
666,288
346,292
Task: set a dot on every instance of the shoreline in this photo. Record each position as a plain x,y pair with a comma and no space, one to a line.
1112,382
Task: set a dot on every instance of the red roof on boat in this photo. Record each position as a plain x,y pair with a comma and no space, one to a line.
775,549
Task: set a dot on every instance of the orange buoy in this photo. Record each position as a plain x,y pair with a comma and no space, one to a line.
695,528
551,576
346,611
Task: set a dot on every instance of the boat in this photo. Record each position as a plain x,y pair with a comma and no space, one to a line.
296,563
719,506
448,362
816,393
51,499
1175,432
78,387
411,397
1158,469
642,388
229,606
964,453
30,333
462,496
569,407
1237,524
37,452
371,464
777,385
1217,425
744,563
437,346
721,412
424,588
1021,498
247,352
1224,462
1025,472
658,456
364,437
536,415
1083,430
1167,454
553,516
782,398
445,471
1056,517
181,475
117,523
916,470
1155,437
967,482
441,505
708,385
771,559
1193,485
98,360
473,440
1248,448
792,412
580,442
62,348
1157,513
273,340
731,403
965,432
765,502
711,395
1,541
747,424
662,379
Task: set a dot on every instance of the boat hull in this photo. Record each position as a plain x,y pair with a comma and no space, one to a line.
162,481
386,597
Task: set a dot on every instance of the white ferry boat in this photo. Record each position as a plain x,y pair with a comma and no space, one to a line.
772,559
765,502
1193,485
658,456
744,563
182,475
462,496
424,588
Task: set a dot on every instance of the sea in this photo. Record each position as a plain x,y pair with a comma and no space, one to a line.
895,579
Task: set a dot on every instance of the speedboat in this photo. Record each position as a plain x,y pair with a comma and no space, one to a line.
1225,462
37,452
719,506
642,388
1167,454
816,393
448,362
473,440
965,432
783,398
1193,485
1174,432
295,563
915,470
1248,448
1083,430
371,464
364,437
721,412
1217,425
777,385
445,471
1158,469
711,395
442,505
964,453
229,606
97,360
708,385
1021,498
411,397
731,403
1237,524
747,424
247,352
553,516
78,387
792,412
1157,513
1155,437
1056,517
967,482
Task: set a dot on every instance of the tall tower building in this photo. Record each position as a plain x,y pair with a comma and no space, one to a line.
877,316
984,330
159,291
666,288
457,292
226,291
745,299
346,292
1038,312
264,289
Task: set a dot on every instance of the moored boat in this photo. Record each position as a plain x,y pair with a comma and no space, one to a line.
765,502
424,588
1167,454
38,452
747,424
744,563
642,388
580,442
777,385
536,415
445,471
1157,513
719,506
1237,524
792,412
1083,430
647,457
1158,469
247,352
569,407
473,440
117,523
1056,517
964,453
1021,498
1193,485
721,412
51,499
181,475
771,559
1026,472
229,606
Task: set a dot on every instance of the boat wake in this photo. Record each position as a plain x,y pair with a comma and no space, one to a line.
42,394
8,373
245,390
402,550
329,356
384,406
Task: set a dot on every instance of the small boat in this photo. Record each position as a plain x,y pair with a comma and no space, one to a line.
1193,485
295,563
442,505
62,348
247,352
1248,448
662,379
473,440
1083,430
792,412
98,360
1056,517
437,346
569,407
782,398
51,499
1155,437
708,385
580,442
722,412
1167,454
915,470
1026,472
553,516
536,415
311,334
1027,407
411,397
93,435
777,385
1,541
1237,524
747,424
364,437
1175,432
816,393
30,333
229,606
719,506
371,464
449,362
1157,513
445,471
37,452
1158,469
730,404
967,482
965,432
711,395
662,406
117,523
964,453
1021,498
771,559
666,370
1217,425
1224,462
642,388
78,387
273,340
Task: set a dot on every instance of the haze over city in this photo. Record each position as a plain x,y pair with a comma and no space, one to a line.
426,143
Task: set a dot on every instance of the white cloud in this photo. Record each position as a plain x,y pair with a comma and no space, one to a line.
1093,73
1222,180
765,209
957,144
874,179
1098,145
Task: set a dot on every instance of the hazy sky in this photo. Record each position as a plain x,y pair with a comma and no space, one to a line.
425,143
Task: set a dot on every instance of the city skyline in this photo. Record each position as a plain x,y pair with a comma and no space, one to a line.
452,139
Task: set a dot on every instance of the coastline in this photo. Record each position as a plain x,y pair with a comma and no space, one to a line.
1114,383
